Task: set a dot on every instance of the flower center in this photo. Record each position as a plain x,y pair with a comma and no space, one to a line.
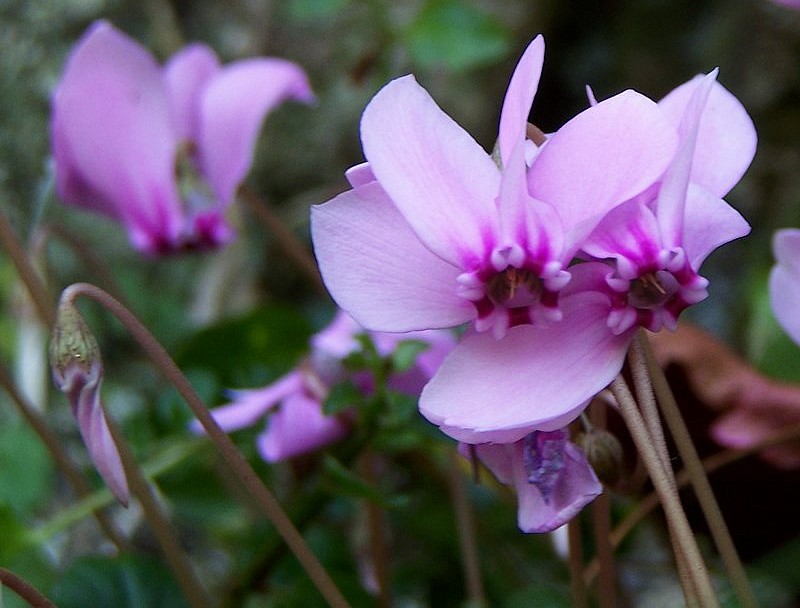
652,290
514,287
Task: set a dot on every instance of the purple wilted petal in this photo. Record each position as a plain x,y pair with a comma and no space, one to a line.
543,459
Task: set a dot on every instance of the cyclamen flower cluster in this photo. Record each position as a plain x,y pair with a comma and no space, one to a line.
293,404
554,255
161,150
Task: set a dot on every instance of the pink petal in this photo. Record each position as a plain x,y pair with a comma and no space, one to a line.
113,138
519,98
232,109
631,231
249,406
377,270
490,390
671,201
298,427
577,486
784,282
726,140
441,180
709,222
186,75
338,339
604,156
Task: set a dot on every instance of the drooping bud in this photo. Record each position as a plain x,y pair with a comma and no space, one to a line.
78,372
604,452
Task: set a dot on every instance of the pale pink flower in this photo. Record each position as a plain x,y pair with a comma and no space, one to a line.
161,150
784,281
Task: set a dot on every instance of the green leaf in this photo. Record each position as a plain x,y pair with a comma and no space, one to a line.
26,471
456,35
400,409
405,354
123,582
345,482
341,397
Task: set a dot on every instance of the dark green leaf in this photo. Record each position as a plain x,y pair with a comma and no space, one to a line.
405,354
342,396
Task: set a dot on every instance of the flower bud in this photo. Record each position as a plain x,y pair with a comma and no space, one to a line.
604,452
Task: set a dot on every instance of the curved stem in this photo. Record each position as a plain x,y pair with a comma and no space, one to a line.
702,487
239,466
23,589
684,538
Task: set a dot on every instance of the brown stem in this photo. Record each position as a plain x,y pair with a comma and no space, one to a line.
601,521
465,523
239,466
63,462
377,534
685,541
24,589
26,271
702,487
580,596
287,240
195,593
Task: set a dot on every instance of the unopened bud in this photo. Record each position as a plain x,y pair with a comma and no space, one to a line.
73,348
604,452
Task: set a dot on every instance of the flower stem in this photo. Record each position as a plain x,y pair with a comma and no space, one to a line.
23,589
195,593
699,480
465,523
700,592
239,466
601,521
290,244
580,596
26,271
377,533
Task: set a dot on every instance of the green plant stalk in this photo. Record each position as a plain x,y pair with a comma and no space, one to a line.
694,467
237,463
700,592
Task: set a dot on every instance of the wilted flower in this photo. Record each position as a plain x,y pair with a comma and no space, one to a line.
78,372
784,281
293,404
161,150
551,476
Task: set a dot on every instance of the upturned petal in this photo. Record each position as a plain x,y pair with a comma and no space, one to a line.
490,390
709,222
519,98
726,139
232,109
298,427
441,180
784,281
114,142
186,75
604,156
377,269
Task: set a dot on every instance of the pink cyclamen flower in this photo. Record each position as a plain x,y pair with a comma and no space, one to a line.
435,234
293,405
550,474
784,281
161,150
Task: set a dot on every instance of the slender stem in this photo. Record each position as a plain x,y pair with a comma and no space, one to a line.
710,464
23,589
16,251
239,466
601,521
580,596
60,457
684,539
195,593
702,487
287,240
377,534
465,523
